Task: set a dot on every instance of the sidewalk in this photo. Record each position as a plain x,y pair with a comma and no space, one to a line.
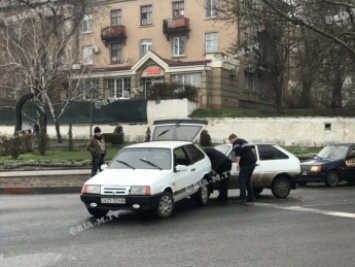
43,181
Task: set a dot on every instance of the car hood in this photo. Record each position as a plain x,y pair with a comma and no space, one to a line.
127,177
177,130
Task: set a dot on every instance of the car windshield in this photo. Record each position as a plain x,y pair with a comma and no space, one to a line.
142,158
333,152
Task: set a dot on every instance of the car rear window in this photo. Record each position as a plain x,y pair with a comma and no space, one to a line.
267,152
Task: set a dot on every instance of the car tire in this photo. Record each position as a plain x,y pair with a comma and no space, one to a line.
332,179
97,213
257,190
165,205
202,195
281,187
302,183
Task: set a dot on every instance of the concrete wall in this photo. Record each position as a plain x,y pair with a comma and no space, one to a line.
287,131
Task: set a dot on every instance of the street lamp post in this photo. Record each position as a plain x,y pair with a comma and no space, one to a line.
91,90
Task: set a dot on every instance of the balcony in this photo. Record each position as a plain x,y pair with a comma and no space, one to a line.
113,34
176,27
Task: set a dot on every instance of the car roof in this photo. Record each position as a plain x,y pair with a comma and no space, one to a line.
160,144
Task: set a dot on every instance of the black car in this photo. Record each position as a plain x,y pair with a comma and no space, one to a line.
331,165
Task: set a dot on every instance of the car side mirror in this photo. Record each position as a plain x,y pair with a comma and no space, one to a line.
180,168
103,167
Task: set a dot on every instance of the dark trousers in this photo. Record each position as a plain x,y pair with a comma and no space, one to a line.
223,187
96,164
245,182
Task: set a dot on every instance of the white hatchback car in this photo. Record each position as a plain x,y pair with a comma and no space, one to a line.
153,175
276,168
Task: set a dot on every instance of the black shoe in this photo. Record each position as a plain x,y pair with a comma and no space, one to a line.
251,199
240,201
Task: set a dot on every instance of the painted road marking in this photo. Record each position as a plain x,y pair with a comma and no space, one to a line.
315,211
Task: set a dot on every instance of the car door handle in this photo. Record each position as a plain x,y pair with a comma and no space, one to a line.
193,170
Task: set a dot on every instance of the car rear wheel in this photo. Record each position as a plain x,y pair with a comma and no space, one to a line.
332,179
257,190
281,187
202,195
97,212
165,205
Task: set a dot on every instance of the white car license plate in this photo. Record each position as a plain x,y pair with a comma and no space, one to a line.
304,173
107,200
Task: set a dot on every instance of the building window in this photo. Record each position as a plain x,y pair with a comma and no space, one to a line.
178,10
178,46
87,24
250,81
116,52
211,42
146,46
210,8
86,87
115,17
119,88
146,15
88,56
192,79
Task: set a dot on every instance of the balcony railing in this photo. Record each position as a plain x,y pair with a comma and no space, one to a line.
113,34
176,26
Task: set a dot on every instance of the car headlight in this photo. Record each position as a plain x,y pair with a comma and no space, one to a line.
91,189
316,168
140,190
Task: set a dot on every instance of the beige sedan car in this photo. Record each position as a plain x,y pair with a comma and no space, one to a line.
277,169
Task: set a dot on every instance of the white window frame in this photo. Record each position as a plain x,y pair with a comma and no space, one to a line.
117,20
87,23
192,79
119,55
146,45
179,46
88,55
147,11
125,88
210,8
211,40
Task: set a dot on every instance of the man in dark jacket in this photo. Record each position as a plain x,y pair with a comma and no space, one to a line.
221,165
245,160
97,148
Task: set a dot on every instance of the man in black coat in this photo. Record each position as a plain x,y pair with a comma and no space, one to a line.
221,165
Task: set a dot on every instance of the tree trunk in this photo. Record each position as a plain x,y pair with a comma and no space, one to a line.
57,130
336,93
305,99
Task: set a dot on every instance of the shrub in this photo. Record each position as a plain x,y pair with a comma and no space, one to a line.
4,145
114,138
15,147
26,143
147,135
205,138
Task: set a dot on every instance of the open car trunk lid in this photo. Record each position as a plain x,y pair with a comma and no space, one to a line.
177,130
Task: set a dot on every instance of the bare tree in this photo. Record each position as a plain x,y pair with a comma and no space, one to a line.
38,44
336,23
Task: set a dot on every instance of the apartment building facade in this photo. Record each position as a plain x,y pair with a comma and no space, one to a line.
128,46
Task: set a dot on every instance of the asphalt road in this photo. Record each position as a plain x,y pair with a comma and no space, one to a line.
314,226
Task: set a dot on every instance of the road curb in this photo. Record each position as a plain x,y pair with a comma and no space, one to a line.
39,190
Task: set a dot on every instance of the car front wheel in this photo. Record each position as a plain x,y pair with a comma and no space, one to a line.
97,212
165,205
281,187
332,179
202,195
